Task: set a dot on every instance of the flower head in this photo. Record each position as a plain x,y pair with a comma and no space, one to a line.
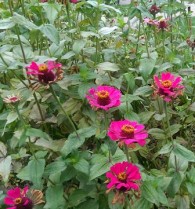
154,9
104,97
168,86
150,21
163,24
12,99
74,1
191,43
18,198
124,177
128,131
45,73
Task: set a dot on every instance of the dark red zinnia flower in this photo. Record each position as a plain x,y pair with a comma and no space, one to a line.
154,9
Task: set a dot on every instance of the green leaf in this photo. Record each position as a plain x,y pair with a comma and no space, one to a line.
150,193
55,167
83,89
165,149
50,32
78,46
146,67
175,128
107,30
77,197
175,183
142,204
183,152
55,197
6,23
130,80
37,166
82,165
183,202
52,11
101,164
68,55
143,91
157,133
12,116
5,168
107,66
21,20
146,116
37,133
74,142
68,174
88,204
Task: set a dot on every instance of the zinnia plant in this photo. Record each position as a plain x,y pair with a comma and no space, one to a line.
45,73
104,97
128,131
124,177
168,86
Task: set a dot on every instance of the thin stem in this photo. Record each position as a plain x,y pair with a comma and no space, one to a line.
146,38
60,105
169,130
39,107
127,153
163,40
20,116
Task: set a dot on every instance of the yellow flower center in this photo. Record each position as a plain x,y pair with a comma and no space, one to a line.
166,83
122,176
18,200
42,67
103,94
128,129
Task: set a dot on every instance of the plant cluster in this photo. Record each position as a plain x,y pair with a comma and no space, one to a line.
97,105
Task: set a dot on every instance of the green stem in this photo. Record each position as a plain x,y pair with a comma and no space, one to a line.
60,105
163,40
146,38
169,130
20,116
127,153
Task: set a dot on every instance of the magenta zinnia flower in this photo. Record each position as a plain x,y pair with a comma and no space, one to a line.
17,199
128,131
168,86
104,97
124,177
46,73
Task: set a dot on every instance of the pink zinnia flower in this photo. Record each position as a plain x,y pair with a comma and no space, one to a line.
18,198
46,73
168,86
104,97
128,131
12,99
124,177
150,21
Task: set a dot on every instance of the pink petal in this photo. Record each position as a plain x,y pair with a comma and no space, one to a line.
9,201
